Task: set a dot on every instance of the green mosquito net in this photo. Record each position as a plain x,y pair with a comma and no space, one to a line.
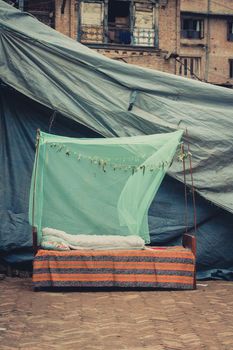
98,186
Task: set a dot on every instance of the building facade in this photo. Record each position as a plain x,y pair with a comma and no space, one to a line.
206,39
134,31
192,38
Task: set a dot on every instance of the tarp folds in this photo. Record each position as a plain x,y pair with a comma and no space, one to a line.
99,186
96,91
20,117
55,73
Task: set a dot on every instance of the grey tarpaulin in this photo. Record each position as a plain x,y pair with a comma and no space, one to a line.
116,99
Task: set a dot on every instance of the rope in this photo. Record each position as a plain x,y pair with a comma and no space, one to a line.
192,181
52,120
35,170
185,189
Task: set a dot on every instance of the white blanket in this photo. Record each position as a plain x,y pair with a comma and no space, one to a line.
97,242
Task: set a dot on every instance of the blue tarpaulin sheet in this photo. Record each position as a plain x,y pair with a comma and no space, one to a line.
20,117
43,72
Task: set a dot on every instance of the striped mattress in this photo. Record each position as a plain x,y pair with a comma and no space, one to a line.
170,268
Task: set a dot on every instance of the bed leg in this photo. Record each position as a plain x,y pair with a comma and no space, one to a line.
34,240
189,242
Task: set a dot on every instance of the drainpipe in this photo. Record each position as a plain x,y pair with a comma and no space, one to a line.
207,63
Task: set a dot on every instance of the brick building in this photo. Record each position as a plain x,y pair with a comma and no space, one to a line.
206,39
192,38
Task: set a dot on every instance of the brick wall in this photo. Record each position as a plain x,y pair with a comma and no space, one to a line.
221,51
201,6
153,60
169,24
196,6
67,24
64,23
213,50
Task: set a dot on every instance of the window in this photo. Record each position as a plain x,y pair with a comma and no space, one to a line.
231,68
92,19
117,22
230,31
192,28
189,67
143,31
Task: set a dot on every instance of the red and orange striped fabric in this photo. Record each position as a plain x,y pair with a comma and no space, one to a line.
172,267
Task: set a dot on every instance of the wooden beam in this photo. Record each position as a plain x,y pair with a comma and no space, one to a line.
34,240
189,242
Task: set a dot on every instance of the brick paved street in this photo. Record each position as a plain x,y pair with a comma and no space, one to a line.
158,320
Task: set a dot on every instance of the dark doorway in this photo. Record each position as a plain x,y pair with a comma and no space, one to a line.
119,22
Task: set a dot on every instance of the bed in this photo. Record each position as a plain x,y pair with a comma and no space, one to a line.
104,187
151,268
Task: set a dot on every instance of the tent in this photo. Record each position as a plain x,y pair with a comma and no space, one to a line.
52,82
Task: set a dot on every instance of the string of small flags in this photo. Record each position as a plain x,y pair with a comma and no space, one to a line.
119,164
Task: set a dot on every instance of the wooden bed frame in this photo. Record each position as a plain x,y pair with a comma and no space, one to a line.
188,242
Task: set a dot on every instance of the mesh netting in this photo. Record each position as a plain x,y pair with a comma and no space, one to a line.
98,186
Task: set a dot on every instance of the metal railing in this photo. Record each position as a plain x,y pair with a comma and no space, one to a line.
120,36
191,34
117,36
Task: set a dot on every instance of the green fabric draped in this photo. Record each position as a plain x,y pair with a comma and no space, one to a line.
99,186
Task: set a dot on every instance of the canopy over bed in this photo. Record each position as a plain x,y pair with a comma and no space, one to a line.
98,186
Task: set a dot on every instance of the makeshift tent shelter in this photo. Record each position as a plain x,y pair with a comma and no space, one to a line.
44,72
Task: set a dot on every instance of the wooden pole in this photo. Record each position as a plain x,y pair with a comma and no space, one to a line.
34,229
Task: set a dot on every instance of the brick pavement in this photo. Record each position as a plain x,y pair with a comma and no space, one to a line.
157,320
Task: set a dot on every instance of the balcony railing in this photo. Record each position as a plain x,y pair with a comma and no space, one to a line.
120,36
191,34
117,36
